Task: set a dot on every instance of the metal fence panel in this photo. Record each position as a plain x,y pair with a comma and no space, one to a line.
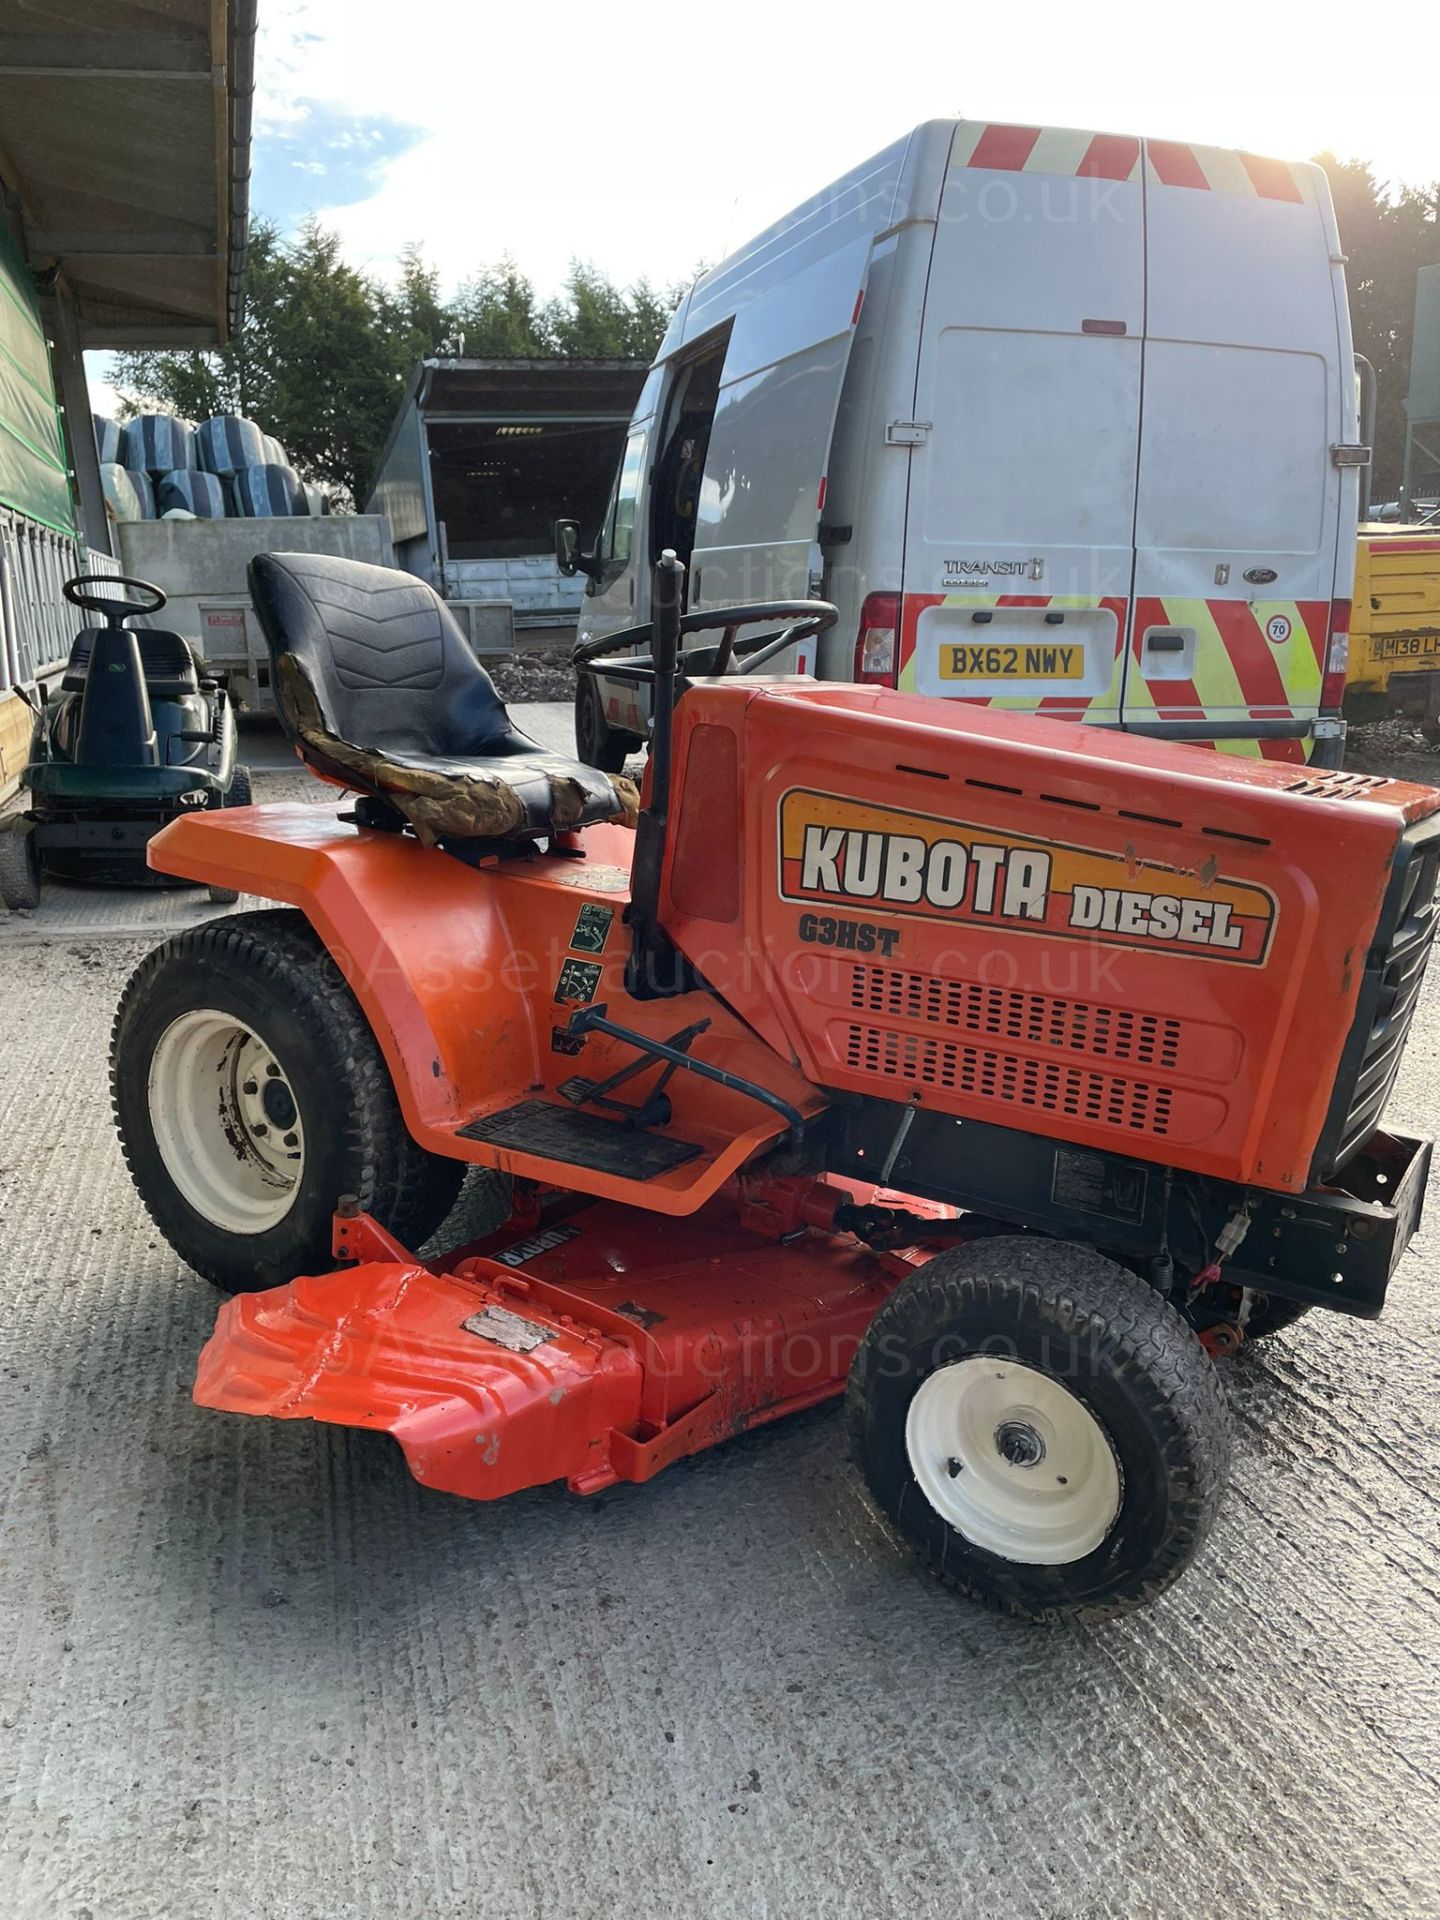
37,623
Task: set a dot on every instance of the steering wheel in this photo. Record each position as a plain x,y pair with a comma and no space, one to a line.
801,618
116,611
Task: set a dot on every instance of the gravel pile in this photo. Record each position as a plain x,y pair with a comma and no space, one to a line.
1395,746
543,675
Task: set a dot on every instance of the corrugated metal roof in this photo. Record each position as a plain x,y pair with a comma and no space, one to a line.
125,152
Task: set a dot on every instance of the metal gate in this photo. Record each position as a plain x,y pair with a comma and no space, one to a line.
37,625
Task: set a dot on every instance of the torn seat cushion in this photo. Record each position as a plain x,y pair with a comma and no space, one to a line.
377,686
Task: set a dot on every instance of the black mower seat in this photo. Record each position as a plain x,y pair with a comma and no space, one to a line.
166,659
379,689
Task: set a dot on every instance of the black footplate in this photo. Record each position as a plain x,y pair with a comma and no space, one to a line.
580,1140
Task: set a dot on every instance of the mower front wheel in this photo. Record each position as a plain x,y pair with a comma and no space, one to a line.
1042,1426
19,868
250,1094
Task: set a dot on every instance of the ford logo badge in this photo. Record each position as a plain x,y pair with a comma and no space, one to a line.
1261,576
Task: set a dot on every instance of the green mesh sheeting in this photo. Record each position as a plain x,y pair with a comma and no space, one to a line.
33,469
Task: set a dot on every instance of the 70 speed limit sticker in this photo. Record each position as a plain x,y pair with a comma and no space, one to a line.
1278,629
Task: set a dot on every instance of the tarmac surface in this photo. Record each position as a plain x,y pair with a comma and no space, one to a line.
253,1669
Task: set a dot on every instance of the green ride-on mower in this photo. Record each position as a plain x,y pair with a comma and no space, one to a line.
140,733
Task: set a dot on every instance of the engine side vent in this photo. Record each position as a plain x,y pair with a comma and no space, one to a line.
1006,1013
1335,786
924,1060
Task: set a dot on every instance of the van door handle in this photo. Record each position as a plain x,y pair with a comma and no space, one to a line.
695,596
1165,642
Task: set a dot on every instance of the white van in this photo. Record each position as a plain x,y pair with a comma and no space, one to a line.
1064,422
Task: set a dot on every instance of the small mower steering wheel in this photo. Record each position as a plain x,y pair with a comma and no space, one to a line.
116,611
801,618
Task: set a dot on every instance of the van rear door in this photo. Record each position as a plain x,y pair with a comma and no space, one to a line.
1019,539
1238,510
762,490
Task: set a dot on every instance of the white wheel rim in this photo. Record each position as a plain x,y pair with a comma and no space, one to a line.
226,1122
1013,1460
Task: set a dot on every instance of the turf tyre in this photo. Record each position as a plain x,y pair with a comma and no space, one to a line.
271,972
1118,1348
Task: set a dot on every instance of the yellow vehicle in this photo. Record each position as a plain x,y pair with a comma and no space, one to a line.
1395,625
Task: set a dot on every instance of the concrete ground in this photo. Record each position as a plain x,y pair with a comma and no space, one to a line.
254,1670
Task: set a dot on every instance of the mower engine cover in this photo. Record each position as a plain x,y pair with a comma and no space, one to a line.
1150,949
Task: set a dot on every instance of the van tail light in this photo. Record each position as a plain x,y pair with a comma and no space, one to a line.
877,648
1337,658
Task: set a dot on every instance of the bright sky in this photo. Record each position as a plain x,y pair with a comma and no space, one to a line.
648,137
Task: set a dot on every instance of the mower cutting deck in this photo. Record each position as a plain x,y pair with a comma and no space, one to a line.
991,1071
588,1343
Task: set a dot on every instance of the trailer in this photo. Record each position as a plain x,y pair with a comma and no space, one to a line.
200,567
483,458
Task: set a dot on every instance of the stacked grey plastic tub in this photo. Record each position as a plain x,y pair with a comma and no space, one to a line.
129,491
261,482
157,465
164,449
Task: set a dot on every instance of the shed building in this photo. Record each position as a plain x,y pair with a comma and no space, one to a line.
124,180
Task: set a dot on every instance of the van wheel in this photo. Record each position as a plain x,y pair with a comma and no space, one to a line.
250,1094
1042,1426
597,743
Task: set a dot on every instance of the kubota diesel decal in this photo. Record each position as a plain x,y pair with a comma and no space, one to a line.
843,853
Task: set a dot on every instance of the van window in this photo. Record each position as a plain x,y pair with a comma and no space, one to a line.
620,521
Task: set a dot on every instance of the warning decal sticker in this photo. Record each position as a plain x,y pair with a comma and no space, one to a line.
844,853
592,928
578,983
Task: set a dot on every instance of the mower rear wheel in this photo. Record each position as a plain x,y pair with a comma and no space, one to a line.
1042,1426
250,1094
19,869
597,743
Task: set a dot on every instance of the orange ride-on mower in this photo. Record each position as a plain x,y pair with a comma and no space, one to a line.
995,1073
